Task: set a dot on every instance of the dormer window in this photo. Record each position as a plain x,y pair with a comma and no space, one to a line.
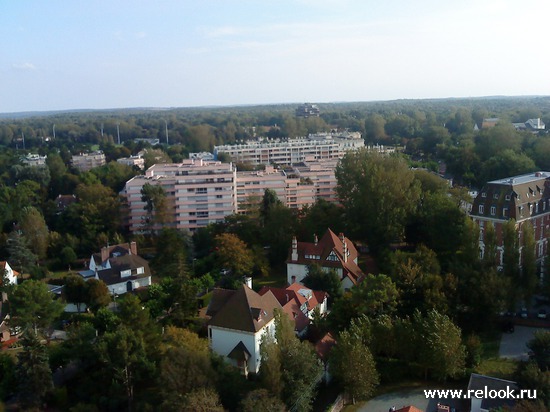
495,196
484,194
507,197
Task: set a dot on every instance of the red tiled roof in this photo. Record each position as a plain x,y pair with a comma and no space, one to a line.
324,345
409,408
330,243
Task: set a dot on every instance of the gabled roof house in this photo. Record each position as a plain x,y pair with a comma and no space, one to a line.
299,302
239,320
331,252
120,267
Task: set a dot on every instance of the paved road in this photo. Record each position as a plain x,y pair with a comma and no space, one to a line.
514,345
408,397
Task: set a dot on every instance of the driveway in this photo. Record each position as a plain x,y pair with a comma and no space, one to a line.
414,397
514,345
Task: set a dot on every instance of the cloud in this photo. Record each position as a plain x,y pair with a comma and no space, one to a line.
141,35
24,66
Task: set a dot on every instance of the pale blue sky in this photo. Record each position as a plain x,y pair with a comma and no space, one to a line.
75,54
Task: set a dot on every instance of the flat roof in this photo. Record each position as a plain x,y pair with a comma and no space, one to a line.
526,178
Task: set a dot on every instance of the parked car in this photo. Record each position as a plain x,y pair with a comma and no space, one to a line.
523,313
541,314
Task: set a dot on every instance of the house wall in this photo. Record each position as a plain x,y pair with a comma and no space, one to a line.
10,275
121,288
222,341
293,269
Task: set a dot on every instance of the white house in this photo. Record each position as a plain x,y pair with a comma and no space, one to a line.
120,267
239,319
10,276
331,252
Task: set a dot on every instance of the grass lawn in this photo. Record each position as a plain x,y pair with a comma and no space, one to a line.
276,279
492,364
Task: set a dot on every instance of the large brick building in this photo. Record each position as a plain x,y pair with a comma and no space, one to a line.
524,198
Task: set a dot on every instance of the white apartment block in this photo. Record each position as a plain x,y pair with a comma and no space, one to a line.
131,161
287,152
87,161
198,193
34,159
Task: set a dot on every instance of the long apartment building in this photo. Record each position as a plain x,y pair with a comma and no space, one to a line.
201,192
87,161
198,193
524,198
323,146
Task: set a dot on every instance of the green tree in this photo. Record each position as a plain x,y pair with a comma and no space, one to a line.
35,230
260,400
183,370
75,290
269,201
511,262
7,376
490,252
33,306
318,279
124,357
202,400
21,256
156,204
271,367
353,367
300,370
234,254
34,377
529,278
98,295
540,345
378,194
443,357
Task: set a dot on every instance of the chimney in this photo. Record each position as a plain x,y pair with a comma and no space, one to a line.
133,248
315,239
104,254
294,255
248,281
345,251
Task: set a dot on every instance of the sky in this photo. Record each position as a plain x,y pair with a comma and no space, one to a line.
95,54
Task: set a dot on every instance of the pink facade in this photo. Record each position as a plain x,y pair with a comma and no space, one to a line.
201,192
198,192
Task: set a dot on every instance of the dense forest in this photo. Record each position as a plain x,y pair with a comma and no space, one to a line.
427,278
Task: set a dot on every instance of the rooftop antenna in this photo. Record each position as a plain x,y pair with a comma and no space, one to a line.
118,132
54,130
23,136
166,129
101,129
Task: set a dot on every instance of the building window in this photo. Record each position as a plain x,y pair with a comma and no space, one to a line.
202,190
481,209
484,194
507,197
495,196
504,212
493,210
